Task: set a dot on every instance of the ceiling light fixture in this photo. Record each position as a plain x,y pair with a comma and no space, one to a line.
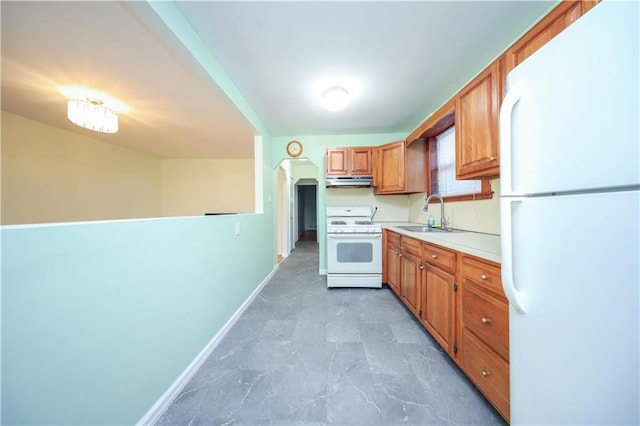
92,109
91,114
335,98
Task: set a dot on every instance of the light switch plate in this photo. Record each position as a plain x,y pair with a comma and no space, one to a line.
237,228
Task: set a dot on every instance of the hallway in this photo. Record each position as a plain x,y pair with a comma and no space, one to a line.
308,236
304,354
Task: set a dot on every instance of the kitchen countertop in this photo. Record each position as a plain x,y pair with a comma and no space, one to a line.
486,246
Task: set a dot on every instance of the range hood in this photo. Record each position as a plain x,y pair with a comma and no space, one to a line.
348,181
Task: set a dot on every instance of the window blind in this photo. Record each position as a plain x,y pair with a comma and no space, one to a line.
447,182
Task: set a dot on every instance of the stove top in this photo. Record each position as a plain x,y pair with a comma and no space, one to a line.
351,220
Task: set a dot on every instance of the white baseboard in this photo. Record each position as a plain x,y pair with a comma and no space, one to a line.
176,387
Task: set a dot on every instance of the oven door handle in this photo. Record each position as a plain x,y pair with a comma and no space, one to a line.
363,235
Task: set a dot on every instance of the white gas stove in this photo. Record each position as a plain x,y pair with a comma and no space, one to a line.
351,220
354,248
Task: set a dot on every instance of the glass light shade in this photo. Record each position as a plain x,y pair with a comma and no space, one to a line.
93,115
335,98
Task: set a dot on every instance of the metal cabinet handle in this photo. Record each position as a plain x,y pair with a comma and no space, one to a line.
421,267
486,320
484,277
485,373
434,256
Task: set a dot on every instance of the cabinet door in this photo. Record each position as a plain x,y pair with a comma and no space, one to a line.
337,161
438,306
360,161
393,268
477,111
410,276
375,166
550,26
392,167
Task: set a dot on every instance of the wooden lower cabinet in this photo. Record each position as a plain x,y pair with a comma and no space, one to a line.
484,330
437,312
487,370
403,269
485,316
438,306
458,298
410,274
392,255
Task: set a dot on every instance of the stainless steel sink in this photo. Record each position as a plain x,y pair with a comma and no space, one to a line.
420,228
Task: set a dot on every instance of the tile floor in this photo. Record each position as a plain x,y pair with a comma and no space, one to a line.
306,355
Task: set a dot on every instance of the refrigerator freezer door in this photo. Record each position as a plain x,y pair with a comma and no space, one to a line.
574,352
574,125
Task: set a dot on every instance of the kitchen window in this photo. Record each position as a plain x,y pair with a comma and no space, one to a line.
442,180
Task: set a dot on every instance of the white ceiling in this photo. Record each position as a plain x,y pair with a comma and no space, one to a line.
408,57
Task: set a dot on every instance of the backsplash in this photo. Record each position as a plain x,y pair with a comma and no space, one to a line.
391,208
479,216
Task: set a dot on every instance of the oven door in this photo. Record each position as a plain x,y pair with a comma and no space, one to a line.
354,253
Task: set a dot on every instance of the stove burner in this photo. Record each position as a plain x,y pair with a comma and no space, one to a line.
363,222
338,222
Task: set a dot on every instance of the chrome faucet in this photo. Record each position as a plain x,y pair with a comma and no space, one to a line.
443,221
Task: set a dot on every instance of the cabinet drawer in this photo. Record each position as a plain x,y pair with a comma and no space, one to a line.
393,238
487,370
411,245
438,256
484,274
487,317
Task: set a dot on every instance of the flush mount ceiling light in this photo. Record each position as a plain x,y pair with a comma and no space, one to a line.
92,110
335,98
91,114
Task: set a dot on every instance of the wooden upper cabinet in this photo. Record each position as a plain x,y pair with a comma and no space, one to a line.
477,111
349,161
391,167
401,169
550,26
337,161
360,161
375,161
435,124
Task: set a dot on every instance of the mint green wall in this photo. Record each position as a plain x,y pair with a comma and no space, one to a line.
99,318
314,149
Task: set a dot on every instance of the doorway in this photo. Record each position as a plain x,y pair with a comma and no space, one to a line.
306,207
297,203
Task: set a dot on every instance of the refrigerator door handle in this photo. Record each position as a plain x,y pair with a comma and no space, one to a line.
508,104
515,297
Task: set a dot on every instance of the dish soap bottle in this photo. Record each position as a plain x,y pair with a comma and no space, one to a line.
431,222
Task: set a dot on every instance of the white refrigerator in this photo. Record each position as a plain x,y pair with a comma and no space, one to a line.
570,201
